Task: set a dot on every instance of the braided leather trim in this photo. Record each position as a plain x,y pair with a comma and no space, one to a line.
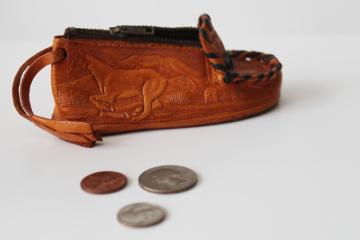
230,74
222,60
210,41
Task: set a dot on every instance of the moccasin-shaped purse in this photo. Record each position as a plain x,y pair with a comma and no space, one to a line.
132,78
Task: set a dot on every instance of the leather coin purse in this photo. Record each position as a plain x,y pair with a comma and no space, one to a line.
132,78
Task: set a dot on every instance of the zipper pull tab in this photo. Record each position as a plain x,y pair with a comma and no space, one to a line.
124,31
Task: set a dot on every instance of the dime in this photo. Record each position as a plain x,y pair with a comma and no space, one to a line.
141,215
167,179
103,182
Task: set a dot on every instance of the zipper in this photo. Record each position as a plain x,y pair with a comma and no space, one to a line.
177,35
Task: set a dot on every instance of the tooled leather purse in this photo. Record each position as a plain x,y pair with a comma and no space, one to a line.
132,78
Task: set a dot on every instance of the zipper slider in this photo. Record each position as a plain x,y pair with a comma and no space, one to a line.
124,31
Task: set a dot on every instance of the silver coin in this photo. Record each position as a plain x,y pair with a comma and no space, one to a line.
141,215
167,179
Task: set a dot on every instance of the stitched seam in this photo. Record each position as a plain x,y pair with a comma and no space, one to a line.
106,43
207,70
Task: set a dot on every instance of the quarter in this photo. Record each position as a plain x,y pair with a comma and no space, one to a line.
168,179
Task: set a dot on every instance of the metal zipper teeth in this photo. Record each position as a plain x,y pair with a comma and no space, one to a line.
102,34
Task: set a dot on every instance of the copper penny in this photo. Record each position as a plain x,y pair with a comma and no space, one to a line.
103,182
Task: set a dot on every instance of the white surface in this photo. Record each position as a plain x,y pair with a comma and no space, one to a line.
292,173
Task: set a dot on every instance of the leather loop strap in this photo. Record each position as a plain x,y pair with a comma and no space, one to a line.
80,133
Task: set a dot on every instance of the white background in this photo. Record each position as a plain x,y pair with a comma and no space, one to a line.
292,173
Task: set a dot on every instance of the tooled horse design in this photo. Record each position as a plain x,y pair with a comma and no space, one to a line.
142,76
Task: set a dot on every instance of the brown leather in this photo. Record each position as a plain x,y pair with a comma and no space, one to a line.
76,132
211,42
108,86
